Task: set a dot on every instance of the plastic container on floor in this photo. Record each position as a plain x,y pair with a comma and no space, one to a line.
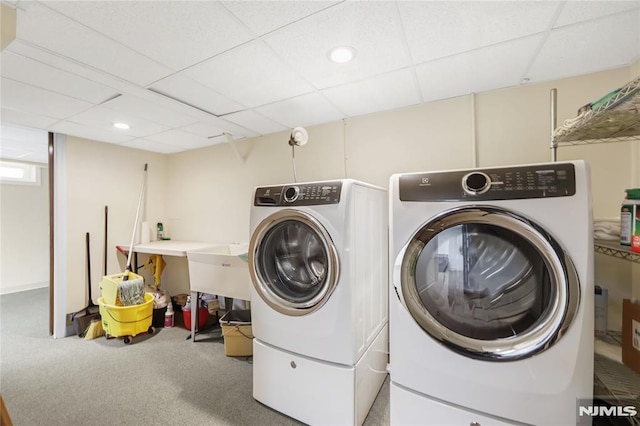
237,332
203,318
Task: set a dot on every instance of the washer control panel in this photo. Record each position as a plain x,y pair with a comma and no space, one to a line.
499,183
304,194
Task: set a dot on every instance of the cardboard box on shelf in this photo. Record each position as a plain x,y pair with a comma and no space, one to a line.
631,334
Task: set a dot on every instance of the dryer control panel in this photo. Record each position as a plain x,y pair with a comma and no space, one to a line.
499,183
304,194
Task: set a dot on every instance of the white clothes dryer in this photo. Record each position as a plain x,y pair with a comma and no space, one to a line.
491,299
319,305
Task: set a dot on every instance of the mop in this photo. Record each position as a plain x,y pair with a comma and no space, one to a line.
131,291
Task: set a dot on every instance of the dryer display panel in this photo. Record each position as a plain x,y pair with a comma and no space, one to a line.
488,283
504,183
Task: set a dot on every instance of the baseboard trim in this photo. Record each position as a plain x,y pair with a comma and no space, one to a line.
23,287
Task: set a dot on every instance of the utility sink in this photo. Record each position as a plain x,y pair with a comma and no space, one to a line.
221,270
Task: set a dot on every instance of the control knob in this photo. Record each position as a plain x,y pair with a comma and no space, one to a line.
476,183
291,194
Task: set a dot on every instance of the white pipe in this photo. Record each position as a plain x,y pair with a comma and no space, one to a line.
344,146
474,132
293,163
554,122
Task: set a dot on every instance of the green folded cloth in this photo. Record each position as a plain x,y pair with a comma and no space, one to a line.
633,193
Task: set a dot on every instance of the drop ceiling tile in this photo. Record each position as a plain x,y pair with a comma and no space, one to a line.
251,75
221,139
62,63
24,155
265,16
52,31
174,33
103,118
493,67
444,28
584,48
388,91
44,76
256,122
180,139
29,99
190,92
153,146
133,106
89,132
213,129
372,28
21,134
304,110
206,130
20,118
579,11
211,123
23,143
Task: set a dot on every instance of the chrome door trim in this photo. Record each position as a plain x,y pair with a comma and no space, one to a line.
274,301
544,334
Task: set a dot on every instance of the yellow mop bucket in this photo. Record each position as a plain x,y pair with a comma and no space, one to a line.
127,321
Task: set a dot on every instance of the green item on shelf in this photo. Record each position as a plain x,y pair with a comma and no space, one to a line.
603,100
633,193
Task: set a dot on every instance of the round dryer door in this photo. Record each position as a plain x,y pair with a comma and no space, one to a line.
488,283
293,262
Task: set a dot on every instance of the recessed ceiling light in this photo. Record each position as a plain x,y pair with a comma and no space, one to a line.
122,126
342,54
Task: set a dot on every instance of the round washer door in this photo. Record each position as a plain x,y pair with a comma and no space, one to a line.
488,283
293,262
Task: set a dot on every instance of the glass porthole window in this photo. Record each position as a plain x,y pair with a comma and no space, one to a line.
489,284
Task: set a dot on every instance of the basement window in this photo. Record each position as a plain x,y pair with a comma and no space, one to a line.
19,173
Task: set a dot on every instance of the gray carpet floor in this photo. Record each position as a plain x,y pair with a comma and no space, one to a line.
158,379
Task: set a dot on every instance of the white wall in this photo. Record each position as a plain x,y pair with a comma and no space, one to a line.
209,190
24,236
99,175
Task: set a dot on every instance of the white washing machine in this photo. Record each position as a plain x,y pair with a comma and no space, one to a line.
491,301
319,304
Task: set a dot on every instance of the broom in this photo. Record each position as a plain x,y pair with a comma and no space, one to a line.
82,319
95,328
